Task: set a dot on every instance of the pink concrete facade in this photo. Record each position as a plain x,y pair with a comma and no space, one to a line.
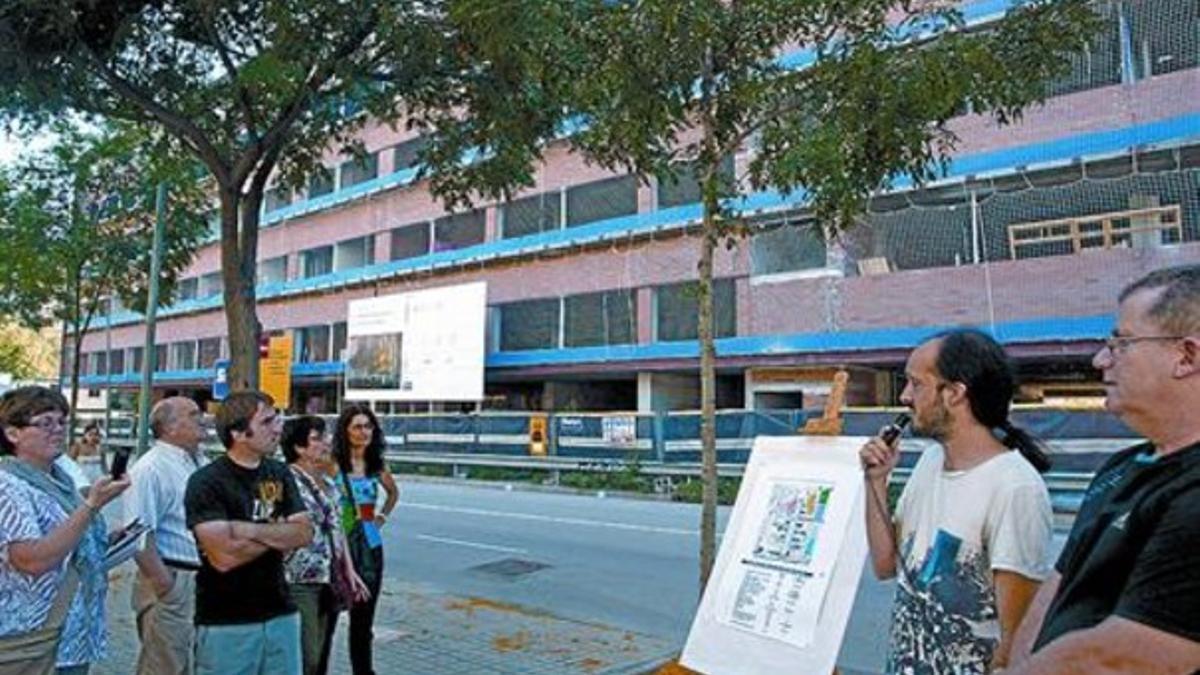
1081,285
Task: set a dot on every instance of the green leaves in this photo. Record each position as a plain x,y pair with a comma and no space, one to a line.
78,220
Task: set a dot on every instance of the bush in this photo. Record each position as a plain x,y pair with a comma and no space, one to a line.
692,491
625,480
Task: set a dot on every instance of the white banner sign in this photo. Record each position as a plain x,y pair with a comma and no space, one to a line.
421,346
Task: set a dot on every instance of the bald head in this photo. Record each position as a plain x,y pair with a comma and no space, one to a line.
176,420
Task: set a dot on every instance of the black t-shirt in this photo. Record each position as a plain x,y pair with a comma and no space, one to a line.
256,591
1134,551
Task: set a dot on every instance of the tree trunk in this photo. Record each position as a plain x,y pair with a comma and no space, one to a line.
241,315
708,388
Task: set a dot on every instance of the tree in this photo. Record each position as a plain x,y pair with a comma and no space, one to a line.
251,89
77,222
654,82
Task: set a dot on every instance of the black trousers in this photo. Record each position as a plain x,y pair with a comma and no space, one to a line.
362,621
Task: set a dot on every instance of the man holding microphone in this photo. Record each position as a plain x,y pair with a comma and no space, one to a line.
970,533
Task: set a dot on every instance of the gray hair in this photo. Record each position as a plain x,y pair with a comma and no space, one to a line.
1177,309
162,415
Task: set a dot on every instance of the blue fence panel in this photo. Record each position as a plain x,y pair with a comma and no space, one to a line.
503,434
584,436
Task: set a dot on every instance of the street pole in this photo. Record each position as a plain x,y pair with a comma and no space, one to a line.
148,351
108,403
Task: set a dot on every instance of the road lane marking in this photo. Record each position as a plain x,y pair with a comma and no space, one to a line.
551,519
470,544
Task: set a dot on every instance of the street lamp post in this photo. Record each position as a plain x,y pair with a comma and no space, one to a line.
149,353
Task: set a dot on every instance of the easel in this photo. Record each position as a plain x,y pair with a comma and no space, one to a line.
828,424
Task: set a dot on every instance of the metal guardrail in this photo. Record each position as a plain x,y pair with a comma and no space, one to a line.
1066,487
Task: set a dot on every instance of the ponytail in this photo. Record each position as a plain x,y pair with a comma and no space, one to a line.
1031,448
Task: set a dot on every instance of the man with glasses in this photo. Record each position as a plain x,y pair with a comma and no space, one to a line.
165,587
1125,595
246,514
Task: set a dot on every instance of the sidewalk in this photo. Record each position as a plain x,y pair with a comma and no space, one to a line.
422,631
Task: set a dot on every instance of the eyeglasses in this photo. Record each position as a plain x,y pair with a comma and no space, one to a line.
1119,344
365,426
48,424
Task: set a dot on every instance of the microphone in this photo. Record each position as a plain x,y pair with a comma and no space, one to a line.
891,432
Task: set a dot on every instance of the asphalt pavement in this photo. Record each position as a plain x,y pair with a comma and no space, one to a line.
484,579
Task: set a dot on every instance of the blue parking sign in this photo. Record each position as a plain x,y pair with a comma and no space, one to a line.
220,385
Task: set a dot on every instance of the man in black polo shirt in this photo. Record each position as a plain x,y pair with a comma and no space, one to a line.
246,514
1126,594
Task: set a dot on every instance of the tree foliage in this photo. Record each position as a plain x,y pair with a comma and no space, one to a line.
253,89
653,82
78,221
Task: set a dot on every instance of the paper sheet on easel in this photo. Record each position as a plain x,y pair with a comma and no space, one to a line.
790,560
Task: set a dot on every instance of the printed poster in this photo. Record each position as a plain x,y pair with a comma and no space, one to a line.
789,562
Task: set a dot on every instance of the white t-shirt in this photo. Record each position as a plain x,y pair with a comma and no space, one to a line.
955,529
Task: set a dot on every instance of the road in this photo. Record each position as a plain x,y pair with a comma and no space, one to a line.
624,563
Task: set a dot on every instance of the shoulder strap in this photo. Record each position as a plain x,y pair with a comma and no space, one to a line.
63,598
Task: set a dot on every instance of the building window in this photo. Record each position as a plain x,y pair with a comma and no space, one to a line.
210,284
352,253
276,198
677,310
406,155
135,359
601,200
116,361
210,352
312,344
316,261
355,171
608,318
684,188
410,241
321,183
272,270
786,245
98,361
339,341
1165,36
530,324
160,359
459,231
187,289
531,215
183,355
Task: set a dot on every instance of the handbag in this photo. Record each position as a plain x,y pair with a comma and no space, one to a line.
360,550
36,652
339,583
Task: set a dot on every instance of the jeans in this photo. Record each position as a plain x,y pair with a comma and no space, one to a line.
362,620
268,648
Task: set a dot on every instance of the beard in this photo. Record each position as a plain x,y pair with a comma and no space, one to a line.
935,424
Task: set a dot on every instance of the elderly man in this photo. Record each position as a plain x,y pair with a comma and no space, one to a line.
1125,596
164,590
